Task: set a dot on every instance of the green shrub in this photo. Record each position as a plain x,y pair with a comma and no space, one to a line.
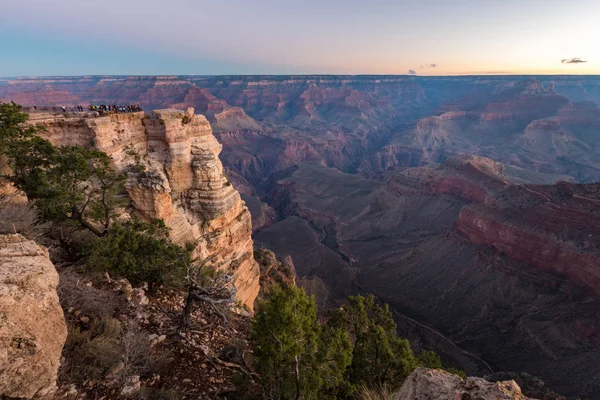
140,252
457,371
379,358
356,353
430,359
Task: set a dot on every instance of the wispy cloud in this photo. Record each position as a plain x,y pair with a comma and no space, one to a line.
412,72
574,60
429,66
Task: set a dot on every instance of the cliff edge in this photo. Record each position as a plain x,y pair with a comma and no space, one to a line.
174,173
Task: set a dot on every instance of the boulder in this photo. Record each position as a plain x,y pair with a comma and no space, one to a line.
32,324
436,384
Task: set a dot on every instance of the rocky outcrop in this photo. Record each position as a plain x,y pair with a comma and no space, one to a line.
471,178
552,228
32,324
274,272
174,173
436,384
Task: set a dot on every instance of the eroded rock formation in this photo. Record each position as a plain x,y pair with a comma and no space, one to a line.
491,275
32,324
436,384
174,173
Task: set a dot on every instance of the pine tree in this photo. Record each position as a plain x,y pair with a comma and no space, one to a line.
379,356
295,357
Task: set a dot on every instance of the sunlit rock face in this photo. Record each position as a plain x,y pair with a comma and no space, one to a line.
177,177
436,384
32,324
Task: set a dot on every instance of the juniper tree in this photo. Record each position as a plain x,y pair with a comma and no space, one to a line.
140,252
68,183
430,359
295,357
379,356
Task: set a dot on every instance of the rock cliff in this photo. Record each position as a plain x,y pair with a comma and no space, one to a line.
174,173
435,384
550,227
491,275
32,324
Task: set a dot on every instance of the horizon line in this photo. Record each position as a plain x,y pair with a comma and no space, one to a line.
281,75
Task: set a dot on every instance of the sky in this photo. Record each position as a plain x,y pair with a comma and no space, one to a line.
181,37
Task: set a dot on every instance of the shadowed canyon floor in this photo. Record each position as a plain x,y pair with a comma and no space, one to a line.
501,302
342,174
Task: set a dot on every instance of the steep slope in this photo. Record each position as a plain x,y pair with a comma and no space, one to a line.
490,275
182,182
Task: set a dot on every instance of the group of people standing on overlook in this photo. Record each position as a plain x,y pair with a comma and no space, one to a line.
100,108
113,108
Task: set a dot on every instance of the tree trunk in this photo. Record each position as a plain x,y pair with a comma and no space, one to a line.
187,310
297,377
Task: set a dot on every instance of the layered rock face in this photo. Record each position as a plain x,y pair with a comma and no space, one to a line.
370,123
32,324
552,228
436,384
177,177
491,275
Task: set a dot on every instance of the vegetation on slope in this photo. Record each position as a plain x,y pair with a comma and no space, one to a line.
356,348
295,354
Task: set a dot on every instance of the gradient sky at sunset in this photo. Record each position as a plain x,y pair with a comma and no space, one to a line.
75,37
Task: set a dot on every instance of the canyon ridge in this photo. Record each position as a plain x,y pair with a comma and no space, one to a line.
469,204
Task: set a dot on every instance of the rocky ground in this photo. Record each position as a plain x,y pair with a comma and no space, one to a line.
196,363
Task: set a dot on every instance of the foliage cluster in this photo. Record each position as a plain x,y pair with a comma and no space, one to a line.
72,184
139,251
355,350
67,183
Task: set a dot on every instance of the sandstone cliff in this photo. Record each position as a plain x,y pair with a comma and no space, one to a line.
435,384
174,173
32,324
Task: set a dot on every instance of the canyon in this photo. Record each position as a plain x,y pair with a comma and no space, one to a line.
466,203
492,275
541,127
